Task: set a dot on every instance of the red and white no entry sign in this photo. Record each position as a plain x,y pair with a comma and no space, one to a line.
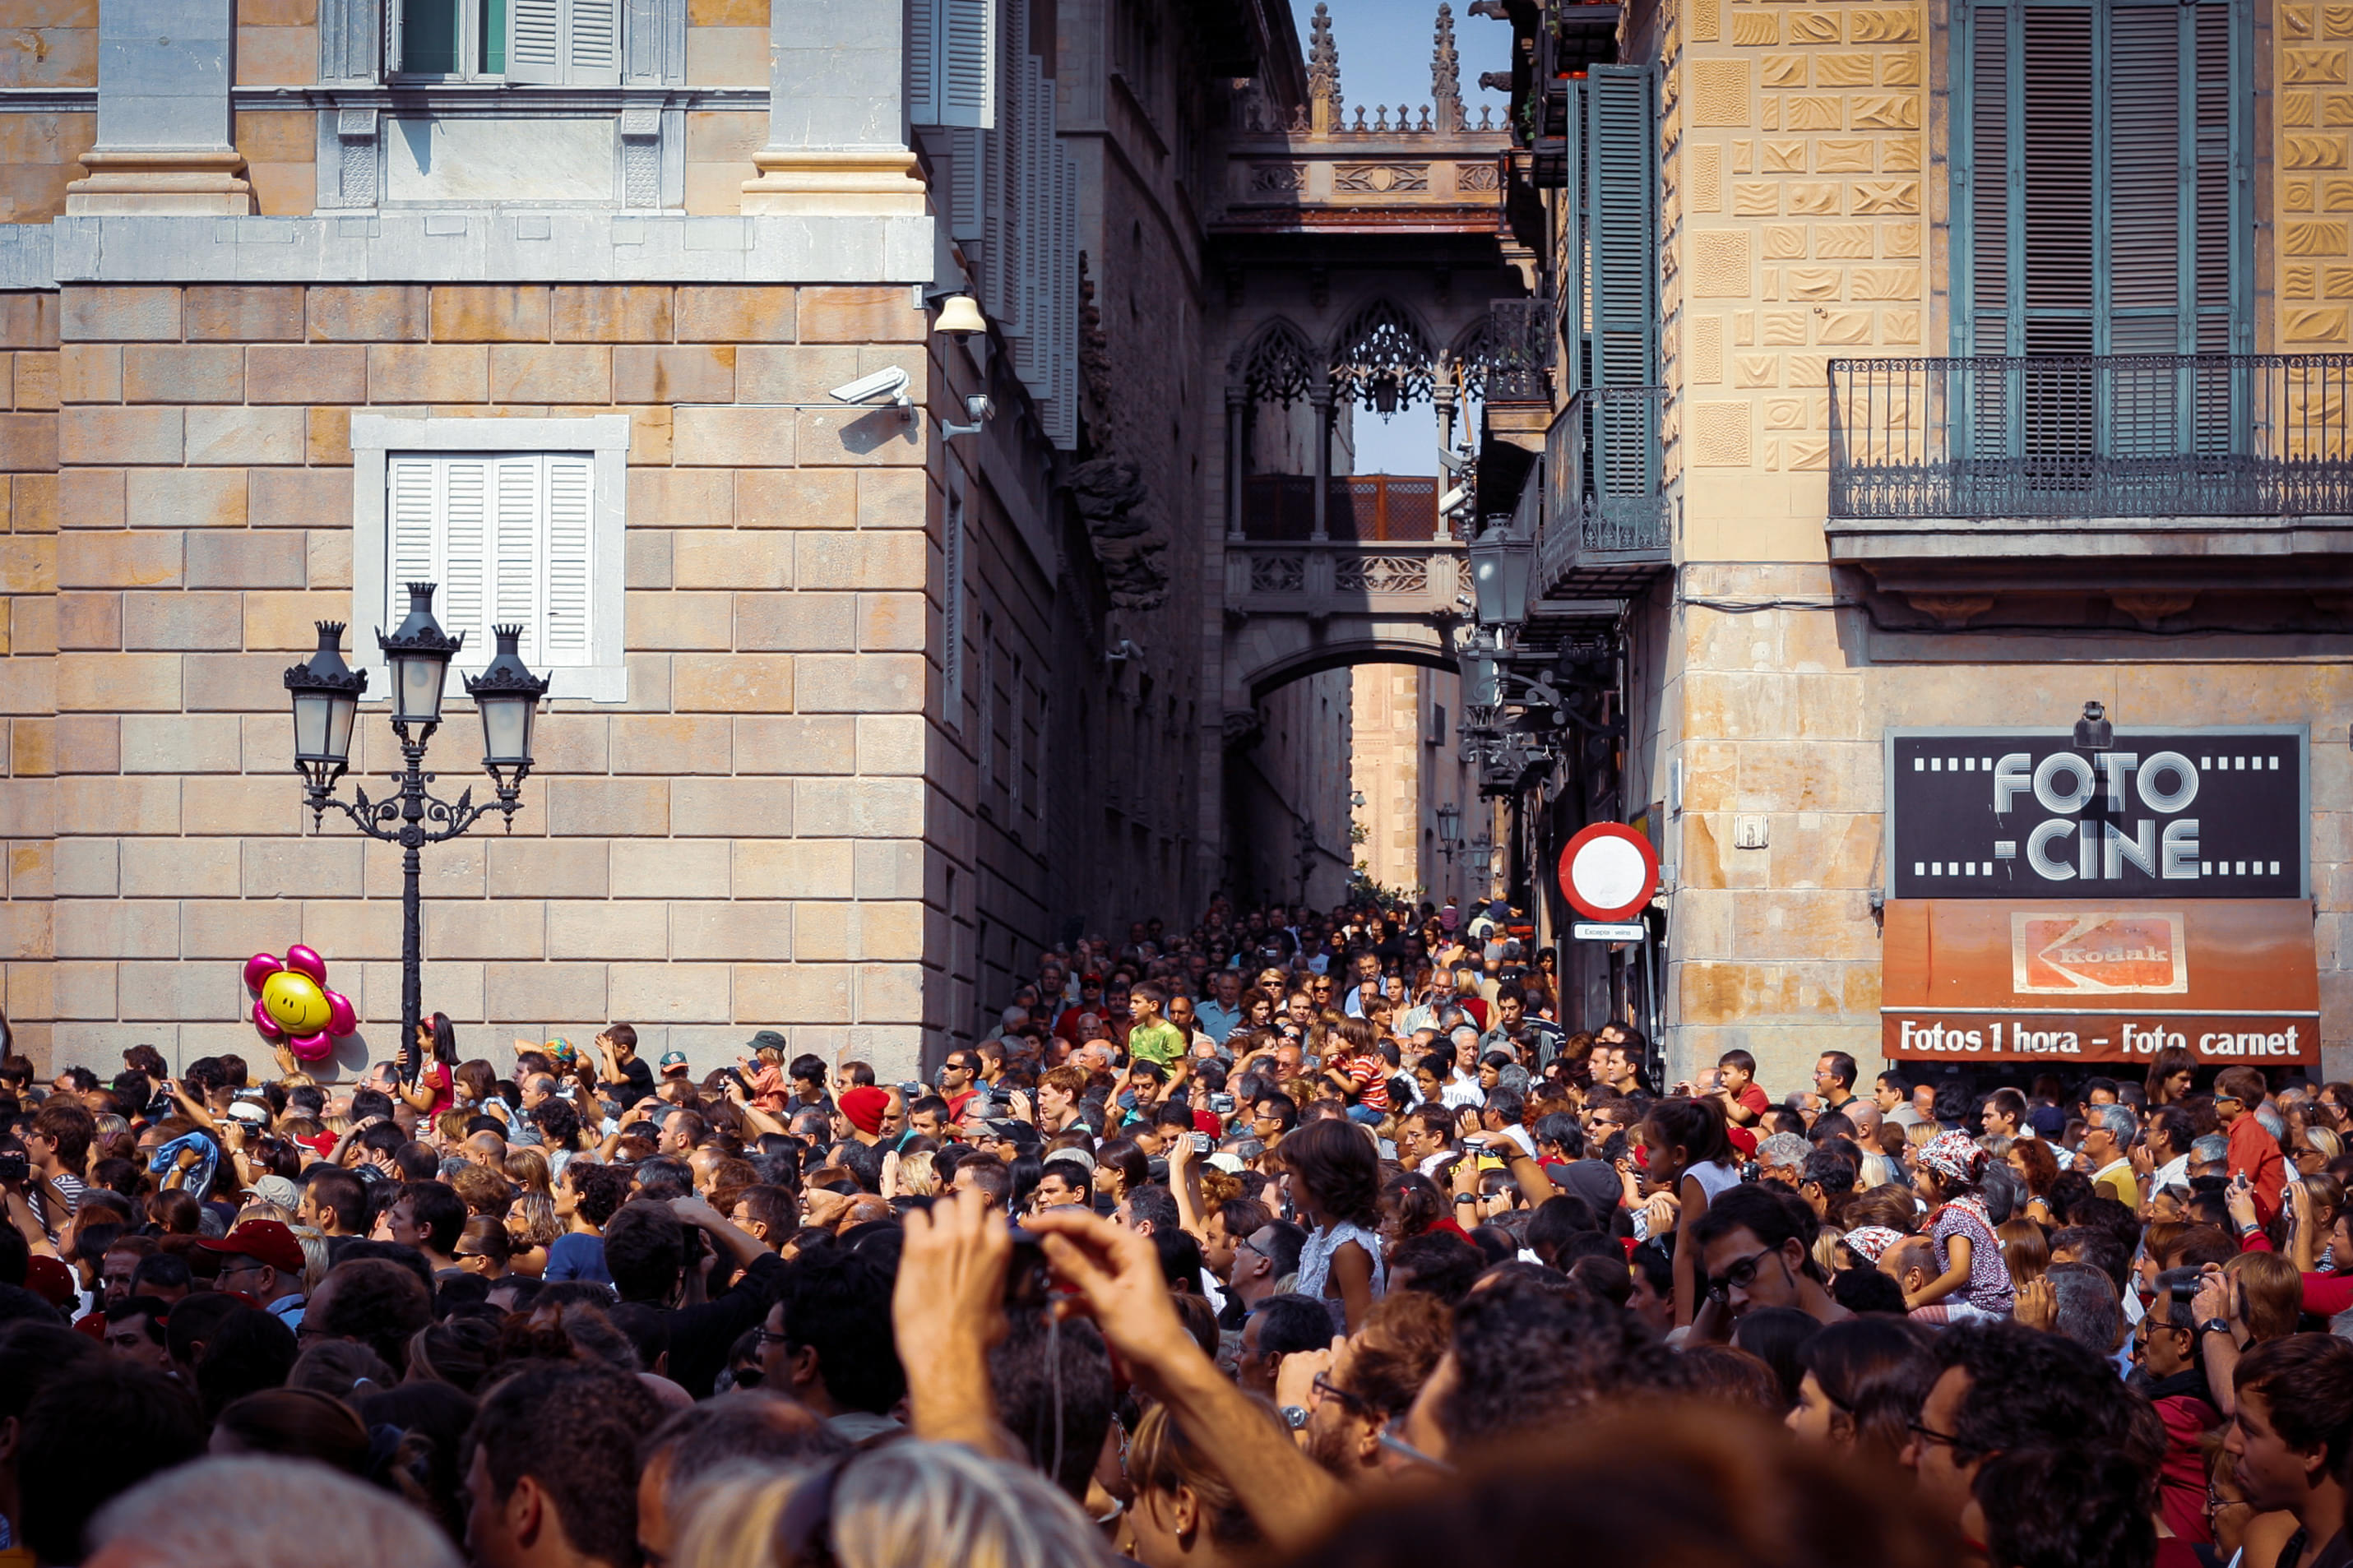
1609,871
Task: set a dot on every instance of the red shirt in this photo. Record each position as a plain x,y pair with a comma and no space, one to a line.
1372,1087
1754,1099
2255,1155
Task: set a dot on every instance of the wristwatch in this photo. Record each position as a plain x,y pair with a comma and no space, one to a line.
2214,1326
1294,1417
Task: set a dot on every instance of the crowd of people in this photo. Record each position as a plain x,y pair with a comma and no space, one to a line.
1298,1237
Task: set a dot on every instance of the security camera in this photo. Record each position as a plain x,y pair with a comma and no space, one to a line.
1455,462
979,409
889,381
1455,499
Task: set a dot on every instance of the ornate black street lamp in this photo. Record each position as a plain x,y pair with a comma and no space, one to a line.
326,694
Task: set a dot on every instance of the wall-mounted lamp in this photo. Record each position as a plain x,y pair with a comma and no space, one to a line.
960,317
2093,731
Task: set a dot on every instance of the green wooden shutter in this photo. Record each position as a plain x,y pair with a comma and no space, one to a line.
1989,186
2099,178
1621,185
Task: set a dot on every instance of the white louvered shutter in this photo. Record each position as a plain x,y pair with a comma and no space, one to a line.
469,487
516,559
1037,210
923,62
412,522
566,584
393,63
593,43
965,76
511,537
535,41
968,184
1009,194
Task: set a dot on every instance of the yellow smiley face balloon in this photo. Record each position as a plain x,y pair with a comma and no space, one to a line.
296,1002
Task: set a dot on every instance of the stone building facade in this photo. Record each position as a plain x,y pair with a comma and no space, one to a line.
1831,186
852,707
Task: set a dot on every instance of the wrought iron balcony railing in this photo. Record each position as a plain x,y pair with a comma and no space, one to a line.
1517,350
1606,516
2084,437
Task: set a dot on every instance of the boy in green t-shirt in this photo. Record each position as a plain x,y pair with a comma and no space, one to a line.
1151,1037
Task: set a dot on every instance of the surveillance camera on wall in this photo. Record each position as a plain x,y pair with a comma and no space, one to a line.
889,381
1455,499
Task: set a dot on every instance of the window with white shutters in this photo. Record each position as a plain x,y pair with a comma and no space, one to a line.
575,43
531,537
2101,189
509,536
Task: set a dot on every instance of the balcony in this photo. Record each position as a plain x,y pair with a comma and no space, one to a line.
2168,468
1608,523
1385,555
1280,508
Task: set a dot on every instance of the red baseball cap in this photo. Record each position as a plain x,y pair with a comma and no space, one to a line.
1743,1140
264,1240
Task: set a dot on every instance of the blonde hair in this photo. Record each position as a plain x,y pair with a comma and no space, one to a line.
1826,1249
315,1261
917,1179
531,1220
892,1508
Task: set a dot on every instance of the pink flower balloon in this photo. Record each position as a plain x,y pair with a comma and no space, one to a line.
292,1004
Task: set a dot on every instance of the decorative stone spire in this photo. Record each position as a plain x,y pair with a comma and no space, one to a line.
1322,71
1445,76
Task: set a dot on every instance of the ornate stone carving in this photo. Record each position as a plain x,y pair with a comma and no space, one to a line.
2152,610
1381,573
355,133
1278,574
1445,73
1278,366
1382,357
1324,98
1477,177
1380,179
1951,611
1279,177
641,156
1118,510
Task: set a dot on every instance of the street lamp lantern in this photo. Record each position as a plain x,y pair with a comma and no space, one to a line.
1481,675
1450,823
508,695
326,695
419,653
1501,562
